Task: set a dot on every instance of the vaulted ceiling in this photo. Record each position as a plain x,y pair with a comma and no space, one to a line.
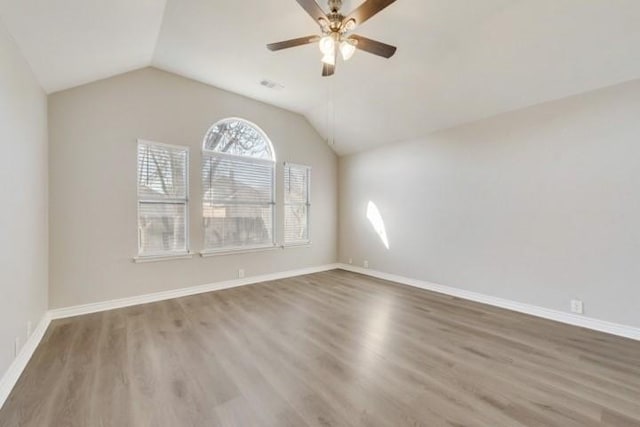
457,60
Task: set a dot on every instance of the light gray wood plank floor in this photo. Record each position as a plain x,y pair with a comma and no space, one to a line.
327,349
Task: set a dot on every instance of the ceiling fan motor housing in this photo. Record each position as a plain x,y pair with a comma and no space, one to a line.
335,24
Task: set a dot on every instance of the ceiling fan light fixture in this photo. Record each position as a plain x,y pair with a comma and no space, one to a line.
348,48
327,45
329,58
350,25
324,24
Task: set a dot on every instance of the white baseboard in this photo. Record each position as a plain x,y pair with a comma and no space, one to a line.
78,310
546,313
10,378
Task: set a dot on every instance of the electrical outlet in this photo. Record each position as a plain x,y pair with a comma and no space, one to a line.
241,273
16,347
577,306
366,264
29,329
350,261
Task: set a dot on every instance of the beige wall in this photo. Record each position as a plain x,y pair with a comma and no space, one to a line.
93,131
23,192
538,206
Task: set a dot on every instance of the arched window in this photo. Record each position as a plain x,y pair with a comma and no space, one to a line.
238,174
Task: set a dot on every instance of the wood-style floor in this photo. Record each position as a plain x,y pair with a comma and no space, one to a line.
328,349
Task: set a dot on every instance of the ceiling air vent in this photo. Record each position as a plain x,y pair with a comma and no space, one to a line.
271,84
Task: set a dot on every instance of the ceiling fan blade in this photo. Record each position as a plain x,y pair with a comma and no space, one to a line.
366,10
315,11
328,70
374,47
292,43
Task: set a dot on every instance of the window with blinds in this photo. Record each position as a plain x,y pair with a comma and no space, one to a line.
162,199
238,174
297,202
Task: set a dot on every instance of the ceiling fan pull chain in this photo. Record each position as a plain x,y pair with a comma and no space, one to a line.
331,114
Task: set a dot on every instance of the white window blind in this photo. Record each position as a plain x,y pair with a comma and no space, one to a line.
238,202
162,199
297,203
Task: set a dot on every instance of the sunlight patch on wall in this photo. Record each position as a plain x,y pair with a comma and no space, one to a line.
374,217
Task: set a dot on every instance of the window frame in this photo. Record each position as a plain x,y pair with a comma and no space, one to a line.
308,170
160,256
207,153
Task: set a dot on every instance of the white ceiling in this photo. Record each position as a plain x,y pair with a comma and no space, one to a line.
72,42
458,60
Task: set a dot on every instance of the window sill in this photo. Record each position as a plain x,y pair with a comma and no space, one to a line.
156,258
222,252
296,245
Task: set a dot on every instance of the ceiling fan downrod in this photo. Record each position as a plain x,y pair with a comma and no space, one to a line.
335,5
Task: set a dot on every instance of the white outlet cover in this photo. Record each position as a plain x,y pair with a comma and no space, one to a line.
350,260
366,264
577,306
241,273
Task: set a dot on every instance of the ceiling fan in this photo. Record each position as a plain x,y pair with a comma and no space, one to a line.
336,32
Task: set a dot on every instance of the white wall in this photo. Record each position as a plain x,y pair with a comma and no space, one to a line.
538,206
93,131
23,192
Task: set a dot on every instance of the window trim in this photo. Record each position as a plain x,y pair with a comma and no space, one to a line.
308,241
141,259
153,257
238,250
205,152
